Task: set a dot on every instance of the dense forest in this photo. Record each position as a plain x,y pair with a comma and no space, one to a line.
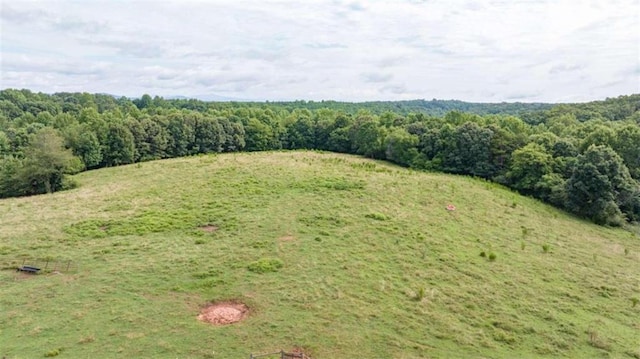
584,158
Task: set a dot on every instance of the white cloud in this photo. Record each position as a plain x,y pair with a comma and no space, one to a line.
494,50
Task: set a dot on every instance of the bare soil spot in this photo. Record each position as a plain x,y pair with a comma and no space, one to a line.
25,276
224,313
209,228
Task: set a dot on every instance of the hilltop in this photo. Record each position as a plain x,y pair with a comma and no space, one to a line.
333,254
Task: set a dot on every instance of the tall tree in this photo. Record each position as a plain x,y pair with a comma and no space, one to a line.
209,135
367,137
400,147
468,151
45,163
600,186
529,165
119,147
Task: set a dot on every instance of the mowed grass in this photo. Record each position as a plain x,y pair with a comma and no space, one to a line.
373,265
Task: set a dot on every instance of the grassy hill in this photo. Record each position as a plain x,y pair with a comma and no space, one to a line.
373,265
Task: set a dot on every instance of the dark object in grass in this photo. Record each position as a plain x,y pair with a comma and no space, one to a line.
28,269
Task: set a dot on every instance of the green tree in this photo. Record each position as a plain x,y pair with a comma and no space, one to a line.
339,139
600,186
627,145
233,133
600,135
503,143
155,140
209,135
528,166
400,146
10,109
300,133
139,136
181,131
468,151
9,186
552,189
367,137
5,145
18,140
119,147
84,144
45,163
144,102
259,136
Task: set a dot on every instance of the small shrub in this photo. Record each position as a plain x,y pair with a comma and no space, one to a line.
265,265
207,283
483,254
626,251
68,183
200,241
53,353
492,257
261,244
634,302
420,294
523,245
546,248
377,216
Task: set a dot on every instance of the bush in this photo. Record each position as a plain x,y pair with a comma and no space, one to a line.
492,257
53,353
265,265
545,248
377,216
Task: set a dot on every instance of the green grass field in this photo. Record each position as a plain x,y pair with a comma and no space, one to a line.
374,266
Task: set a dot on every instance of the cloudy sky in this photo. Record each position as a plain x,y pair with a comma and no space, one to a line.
483,50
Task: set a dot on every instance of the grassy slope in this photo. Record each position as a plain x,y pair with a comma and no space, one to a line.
368,237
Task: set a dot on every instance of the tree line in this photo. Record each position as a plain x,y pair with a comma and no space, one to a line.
584,158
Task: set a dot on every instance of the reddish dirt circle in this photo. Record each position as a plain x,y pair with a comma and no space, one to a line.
223,313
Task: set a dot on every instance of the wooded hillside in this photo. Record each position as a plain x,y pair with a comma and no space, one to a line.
584,158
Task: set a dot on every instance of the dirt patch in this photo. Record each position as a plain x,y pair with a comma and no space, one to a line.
287,238
224,313
209,228
25,276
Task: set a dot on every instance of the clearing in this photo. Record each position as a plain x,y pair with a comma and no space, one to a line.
340,255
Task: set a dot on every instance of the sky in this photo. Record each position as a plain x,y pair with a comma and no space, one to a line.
481,51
